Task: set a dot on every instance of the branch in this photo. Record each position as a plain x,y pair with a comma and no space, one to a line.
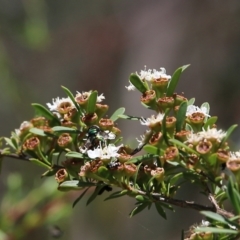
188,204
15,156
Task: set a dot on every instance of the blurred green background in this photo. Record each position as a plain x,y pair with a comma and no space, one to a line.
86,45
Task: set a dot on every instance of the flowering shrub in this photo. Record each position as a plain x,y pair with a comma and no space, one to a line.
82,149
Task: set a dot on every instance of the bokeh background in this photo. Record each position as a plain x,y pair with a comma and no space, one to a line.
86,45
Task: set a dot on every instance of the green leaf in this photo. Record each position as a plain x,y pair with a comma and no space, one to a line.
70,95
44,112
138,83
228,133
175,178
233,195
37,131
209,123
174,80
92,100
181,116
74,155
116,194
116,114
70,185
79,198
141,198
214,216
191,101
160,210
138,209
180,144
94,194
39,163
136,175
151,149
216,230
64,129
128,117
10,143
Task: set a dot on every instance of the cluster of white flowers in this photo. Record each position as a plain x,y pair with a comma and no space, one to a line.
210,133
149,75
152,120
58,101
106,152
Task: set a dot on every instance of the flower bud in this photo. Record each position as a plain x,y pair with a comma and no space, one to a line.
149,99
165,102
64,140
171,154
101,110
130,169
61,175
90,119
106,124
222,155
31,144
158,174
182,135
204,147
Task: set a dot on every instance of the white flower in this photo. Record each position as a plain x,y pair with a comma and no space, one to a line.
194,138
213,133
110,135
160,74
205,223
151,75
152,120
234,155
57,102
104,153
131,87
24,125
100,98
194,109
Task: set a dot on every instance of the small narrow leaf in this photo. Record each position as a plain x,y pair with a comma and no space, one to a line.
181,116
138,209
44,112
160,210
79,198
70,95
70,185
137,83
116,114
174,80
233,196
74,155
92,100
214,216
151,149
228,133
191,101
209,123
116,194
64,129
136,175
10,143
216,230
94,194
37,131
39,163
